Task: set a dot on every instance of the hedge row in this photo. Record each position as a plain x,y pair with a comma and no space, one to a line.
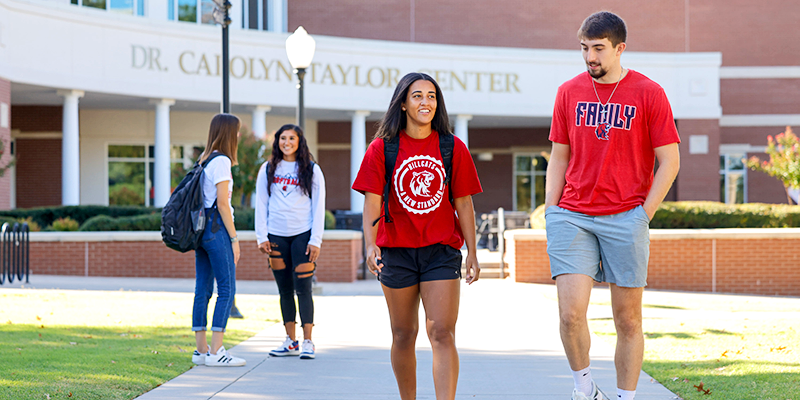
44,216
709,215
243,220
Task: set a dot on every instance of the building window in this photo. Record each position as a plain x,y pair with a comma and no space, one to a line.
732,178
131,169
259,15
196,11
529,181
130,7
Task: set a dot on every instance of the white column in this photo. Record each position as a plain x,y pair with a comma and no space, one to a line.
276,15
157,9
162,170
358,146
462,127
260,120
70,149
235,14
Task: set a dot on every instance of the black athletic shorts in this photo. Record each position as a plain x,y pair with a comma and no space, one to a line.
404,267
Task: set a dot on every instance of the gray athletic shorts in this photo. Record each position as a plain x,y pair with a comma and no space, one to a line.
608,248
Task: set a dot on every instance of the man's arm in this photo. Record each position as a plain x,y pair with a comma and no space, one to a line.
669,162
556,174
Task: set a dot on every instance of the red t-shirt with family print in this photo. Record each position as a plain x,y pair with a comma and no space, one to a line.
611,154
419,202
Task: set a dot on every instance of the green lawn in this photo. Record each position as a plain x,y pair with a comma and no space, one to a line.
737,347
104,345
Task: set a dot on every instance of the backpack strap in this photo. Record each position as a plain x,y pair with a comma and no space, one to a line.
211,156
390,149
446,143
214,226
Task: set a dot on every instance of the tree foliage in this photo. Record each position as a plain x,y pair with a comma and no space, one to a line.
784,160
251,154
4,168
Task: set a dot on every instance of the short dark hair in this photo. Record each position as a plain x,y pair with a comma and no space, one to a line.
394,120
604,25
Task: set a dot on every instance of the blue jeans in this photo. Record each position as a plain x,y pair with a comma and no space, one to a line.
213,260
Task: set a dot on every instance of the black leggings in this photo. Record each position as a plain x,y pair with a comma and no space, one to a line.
292,250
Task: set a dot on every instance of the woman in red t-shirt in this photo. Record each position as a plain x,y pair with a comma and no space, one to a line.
415,250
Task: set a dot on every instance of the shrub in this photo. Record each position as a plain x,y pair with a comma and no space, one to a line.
149,222
32,225
710,214
330,220
244,219
7,220
65,224
784,160
44,216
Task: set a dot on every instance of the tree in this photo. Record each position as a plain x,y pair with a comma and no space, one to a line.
251,154
784,160
4,168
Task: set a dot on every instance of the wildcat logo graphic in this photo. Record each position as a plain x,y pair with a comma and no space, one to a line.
614,116
419,184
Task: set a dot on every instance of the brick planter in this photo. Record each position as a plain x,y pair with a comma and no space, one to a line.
746,261
142,254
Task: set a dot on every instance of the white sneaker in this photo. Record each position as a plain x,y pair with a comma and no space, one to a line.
289,347
198,358
224,359
596,395
308,350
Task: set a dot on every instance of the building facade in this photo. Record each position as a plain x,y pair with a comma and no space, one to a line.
106,101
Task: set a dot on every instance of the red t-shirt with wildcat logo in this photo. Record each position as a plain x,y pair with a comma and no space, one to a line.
419,202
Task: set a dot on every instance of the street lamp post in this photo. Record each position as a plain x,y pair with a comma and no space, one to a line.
221,16
300,48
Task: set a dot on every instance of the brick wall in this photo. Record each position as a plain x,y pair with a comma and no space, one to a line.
698,178
5,137
37,118
338,262
38,172
744,261
747,33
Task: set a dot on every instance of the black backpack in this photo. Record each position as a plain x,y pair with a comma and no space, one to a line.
183,218
392,147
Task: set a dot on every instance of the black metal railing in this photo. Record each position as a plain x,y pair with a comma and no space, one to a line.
14,252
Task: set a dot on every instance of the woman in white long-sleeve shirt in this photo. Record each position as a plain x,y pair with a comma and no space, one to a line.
290,219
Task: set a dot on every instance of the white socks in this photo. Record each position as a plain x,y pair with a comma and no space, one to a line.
625,394
583,380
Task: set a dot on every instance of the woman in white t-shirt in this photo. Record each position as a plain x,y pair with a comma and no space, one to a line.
290,219
218,253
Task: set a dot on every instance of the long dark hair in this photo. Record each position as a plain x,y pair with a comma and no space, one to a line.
305,171
394,120
223,136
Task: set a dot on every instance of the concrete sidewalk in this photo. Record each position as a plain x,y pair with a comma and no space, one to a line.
507,338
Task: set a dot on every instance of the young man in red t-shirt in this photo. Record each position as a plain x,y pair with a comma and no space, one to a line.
609,125
415,250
